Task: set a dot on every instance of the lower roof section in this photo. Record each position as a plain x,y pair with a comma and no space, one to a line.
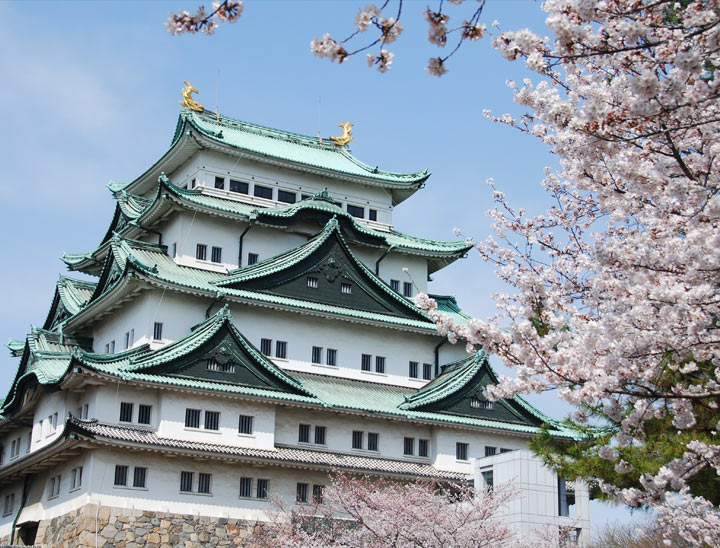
280,455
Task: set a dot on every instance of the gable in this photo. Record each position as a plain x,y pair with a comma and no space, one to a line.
337,279
223,358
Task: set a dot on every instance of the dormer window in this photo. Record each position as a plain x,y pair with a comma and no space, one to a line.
287,197
346,288
356,211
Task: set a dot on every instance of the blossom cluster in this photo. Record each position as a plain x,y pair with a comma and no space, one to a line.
227,11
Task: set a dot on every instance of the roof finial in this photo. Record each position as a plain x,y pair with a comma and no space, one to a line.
346,135
188,100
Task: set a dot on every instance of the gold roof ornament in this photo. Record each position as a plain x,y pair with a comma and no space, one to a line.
346,135
188,100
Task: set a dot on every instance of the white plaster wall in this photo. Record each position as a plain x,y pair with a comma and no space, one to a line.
391,267
105,405
206,165
351,341
15,488
445,440
138,314
172,424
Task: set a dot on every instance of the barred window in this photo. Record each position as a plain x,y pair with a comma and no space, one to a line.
490,451
331,356
261,489
427,371
480,403
320,435
126,411
395,285
312,282
252,258
413,370
373,441
216,254
357,439
212,420
461,451
139,477
192,418
157,331
281,349
266,346
204,482
245,425
409,446
246,487
423,448
301,493
121,473
304,433
318,494
186,482
317,354
201,252
407,289
365,362
379,364
345,288
144,413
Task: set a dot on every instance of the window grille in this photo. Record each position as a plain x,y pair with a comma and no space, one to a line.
281,349
373,441
301,494
365,362
413,370
395,285
201,252
379,364
317,354
407,289
204,483
345,288
304,433
266,346
461,451
216,254
186,482
126,411
212,420
157,331
261,488
357,439
245,487
423,448
320,435
139,477
192,418
409,446
312,282
121,473
245,424
331,356
144,413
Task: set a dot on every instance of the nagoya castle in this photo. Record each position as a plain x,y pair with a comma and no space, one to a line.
245,327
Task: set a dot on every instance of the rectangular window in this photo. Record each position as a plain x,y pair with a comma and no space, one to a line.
488,479
84,411
186,482
245,424
305,196
301,493
213,365
9,504
127,340
132,337
201,252
281,349
139,477
379,364
395,285
204,483
373,441
107,348
356,211
192,418
480,403
252,258
331,357
365,362
220,183
76,477
413,370
126,411
409,446
112,347
312,282
504,450
287,197
54,487
318,494
423,448
239,187
461,451
320,435
427,371
212,420
357,439
157,331
144,413
266,346
192,184
346,288
490,451
216,254
372,214
304,433
407,289
246,487
261,489
263,192
121,473
173,252
317,354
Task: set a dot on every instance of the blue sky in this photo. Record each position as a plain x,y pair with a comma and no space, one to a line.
90,94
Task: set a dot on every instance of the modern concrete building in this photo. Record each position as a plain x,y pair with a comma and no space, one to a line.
245,327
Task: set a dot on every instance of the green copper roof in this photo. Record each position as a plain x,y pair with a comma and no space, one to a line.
301,150
15,346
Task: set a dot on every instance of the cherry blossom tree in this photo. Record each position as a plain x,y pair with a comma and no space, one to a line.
615,289
378,513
